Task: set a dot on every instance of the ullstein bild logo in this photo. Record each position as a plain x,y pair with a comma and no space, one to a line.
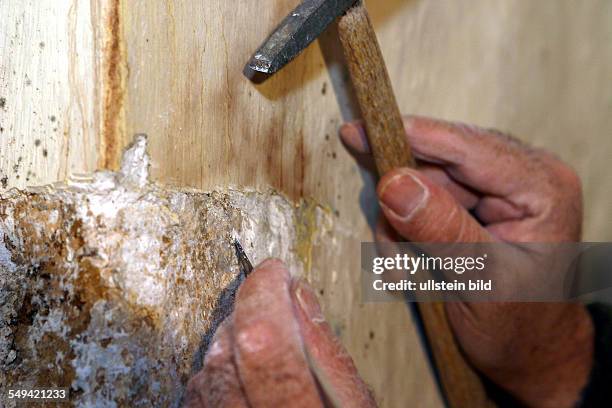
432,285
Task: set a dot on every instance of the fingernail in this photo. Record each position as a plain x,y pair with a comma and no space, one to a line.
307,301
402,195
354,136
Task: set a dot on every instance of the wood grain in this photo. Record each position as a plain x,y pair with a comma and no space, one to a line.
48,114
525,67
62,81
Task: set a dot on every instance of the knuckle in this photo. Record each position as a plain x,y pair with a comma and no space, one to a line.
559,177
565,178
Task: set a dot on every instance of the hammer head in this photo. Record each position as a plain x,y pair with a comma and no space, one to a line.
301,27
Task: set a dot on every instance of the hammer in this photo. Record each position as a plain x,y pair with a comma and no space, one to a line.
382,119
385,131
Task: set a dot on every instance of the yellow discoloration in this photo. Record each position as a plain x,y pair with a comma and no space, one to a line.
306,227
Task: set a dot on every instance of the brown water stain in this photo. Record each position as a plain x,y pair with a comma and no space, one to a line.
115,72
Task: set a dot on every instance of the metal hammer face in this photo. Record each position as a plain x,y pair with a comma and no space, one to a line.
301,27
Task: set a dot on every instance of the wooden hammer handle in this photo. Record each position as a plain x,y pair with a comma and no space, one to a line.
387,139
382,118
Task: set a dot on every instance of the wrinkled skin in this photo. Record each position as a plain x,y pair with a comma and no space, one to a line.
258,355
540,353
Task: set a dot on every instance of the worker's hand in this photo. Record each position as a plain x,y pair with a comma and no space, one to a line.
261,355
541,353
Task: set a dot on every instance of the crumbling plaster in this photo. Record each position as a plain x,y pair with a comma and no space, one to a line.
111,285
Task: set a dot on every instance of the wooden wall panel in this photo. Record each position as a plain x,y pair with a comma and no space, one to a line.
110,68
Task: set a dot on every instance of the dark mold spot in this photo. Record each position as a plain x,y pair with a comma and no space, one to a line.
16,165
45,152
41,44
4,181
324,88
37,142
2,102
371,335
52,118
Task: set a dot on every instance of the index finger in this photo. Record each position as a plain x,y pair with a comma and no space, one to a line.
269,351
485,160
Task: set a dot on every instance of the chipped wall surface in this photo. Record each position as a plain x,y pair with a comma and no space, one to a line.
110,284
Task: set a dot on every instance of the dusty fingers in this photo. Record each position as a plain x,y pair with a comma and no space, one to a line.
265,353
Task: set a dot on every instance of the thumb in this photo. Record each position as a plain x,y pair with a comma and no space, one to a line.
422,211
